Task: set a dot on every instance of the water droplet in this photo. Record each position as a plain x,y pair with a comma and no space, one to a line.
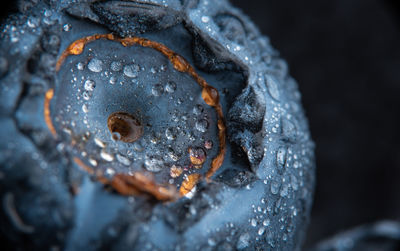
86,95
95,65
99,143
175,171
115,136
275,186
89,85
172,154
272,88
202,125
123,160
85,109
289,129
93,162
208,144
205,19
79,66
253,222
266,222
170,133
67,27
197,155
294,182
284,190
33,22
113,80
109,172
153,164
137,147
106,156
116,66
157,90
131,70
243,241
170,87
281,156
198,109
261,231
211,242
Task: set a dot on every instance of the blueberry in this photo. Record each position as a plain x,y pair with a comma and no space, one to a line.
156,125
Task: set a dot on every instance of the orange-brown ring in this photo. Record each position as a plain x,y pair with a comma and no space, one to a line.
209,94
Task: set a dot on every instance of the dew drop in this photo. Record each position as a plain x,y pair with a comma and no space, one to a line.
116,136
85,109
131,70
89,85
93,162
281,157
170,87
99,143
137,147
123,160
275,186
170,133
153,164
284,190
106,156
116,66
289,129
208,144
197,155
95,65
272,88
175,171
33,22
253,222
201,125
79,66
109,172
113,80
266,222
294,182
172,154
198,109
86,95
205,19
157,90
243,241
211,242
261,231
67,27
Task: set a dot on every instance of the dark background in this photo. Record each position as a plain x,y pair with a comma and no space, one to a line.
345,55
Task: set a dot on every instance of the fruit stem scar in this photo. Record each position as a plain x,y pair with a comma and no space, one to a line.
210,96
47,118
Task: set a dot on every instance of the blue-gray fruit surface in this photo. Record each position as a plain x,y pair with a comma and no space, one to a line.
59,154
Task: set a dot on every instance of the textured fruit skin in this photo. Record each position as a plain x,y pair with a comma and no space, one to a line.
260,199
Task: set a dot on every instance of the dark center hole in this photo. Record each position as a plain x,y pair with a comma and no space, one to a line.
124,127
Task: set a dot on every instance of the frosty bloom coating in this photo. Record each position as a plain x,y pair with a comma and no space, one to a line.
149,125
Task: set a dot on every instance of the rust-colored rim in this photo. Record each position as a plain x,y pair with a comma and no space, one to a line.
139,183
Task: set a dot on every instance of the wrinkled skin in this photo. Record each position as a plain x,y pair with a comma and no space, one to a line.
259,199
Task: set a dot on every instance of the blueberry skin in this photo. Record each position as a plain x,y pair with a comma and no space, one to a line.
260,198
